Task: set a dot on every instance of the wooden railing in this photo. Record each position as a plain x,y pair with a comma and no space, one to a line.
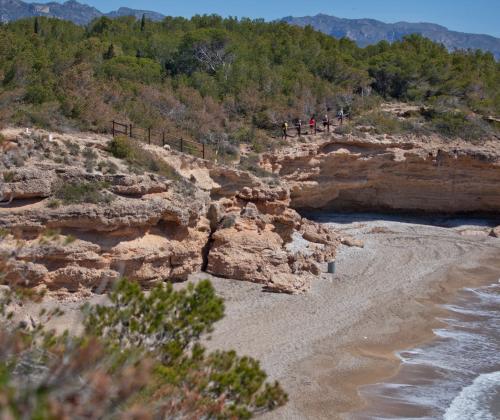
160,138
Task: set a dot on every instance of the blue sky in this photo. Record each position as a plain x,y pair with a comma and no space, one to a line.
476,16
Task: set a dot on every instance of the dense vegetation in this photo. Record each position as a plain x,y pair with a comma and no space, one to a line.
227,81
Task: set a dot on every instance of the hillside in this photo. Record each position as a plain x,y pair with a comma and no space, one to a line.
79,13
228,83
369,31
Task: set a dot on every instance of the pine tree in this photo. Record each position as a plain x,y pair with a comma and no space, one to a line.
143,23
37,26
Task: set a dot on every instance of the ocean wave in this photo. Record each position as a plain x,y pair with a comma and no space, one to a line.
474,401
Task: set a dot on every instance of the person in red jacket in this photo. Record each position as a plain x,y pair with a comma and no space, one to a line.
312,125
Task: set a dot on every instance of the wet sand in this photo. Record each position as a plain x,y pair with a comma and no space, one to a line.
343,334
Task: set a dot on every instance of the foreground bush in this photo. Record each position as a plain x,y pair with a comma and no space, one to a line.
140,357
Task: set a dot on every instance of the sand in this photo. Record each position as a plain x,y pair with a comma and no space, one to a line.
343,334
323,345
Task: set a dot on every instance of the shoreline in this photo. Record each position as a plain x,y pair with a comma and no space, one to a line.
444,291
344,334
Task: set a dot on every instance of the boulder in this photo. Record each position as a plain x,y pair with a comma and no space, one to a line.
495,232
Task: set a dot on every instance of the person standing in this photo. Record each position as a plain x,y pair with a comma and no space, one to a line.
312,125
284,128
326,123
298,127
340,116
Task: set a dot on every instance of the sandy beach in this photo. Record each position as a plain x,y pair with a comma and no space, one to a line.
323,345
343,334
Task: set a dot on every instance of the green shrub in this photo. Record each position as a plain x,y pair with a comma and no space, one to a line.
121,147
85,192
69,239
133,69
8,176
383,122
74,148
172,323
54,203
131,151
457,124
38,94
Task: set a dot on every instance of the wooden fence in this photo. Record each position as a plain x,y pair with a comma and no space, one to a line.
160,138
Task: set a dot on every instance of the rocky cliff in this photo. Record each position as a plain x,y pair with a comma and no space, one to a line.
74,218
394,173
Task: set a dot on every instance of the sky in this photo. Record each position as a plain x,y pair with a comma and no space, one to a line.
475,16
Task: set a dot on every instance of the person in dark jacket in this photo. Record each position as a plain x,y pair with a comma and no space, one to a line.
298,127
326,123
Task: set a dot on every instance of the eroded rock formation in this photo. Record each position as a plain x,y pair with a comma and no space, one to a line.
390,173
145,226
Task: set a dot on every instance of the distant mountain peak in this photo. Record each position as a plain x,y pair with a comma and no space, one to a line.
370,31
72,10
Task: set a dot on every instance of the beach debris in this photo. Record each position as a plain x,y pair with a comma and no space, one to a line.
351,242
331,267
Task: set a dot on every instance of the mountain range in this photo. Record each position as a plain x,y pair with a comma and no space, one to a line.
74,11
369,31
362,31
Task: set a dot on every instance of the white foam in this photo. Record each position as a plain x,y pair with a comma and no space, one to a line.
474,400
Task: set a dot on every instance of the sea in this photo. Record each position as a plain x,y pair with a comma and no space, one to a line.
456,376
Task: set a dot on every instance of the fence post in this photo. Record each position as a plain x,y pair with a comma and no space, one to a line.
113,128
182,146
203,149
149,135
130,131
163,138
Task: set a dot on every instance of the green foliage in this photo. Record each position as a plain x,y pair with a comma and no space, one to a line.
121,147
8,176
84,192
167,320
382,122
208,77
167,325
457,124
74,148
132,69
54,203
130,150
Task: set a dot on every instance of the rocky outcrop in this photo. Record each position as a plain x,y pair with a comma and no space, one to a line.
495,232
257,237
147,227
390,173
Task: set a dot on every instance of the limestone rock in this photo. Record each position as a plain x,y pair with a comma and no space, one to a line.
352,242
23,183
398,173
154,229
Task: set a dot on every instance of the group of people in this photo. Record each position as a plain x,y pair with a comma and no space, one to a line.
313,124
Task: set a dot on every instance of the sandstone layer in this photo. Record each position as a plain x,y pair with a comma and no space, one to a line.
142,225
405,173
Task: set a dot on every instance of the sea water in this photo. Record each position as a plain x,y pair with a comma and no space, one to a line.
454,377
